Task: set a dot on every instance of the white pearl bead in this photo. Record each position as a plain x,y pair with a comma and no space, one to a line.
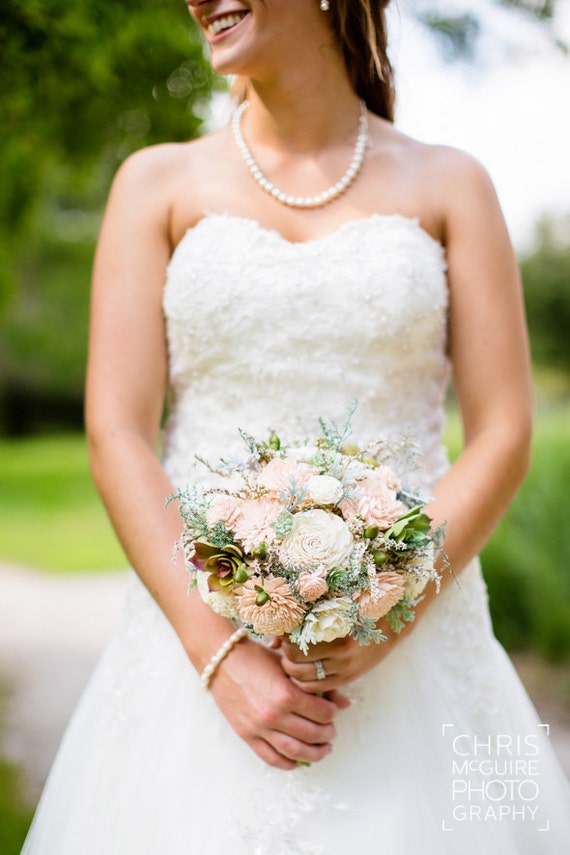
300,201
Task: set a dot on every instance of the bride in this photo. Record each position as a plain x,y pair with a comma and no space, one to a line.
312,253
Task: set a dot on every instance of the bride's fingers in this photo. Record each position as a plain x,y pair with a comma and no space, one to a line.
339,699
300,752
324,650
270,756
306,671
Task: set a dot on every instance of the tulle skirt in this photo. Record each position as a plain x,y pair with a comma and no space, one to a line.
440,752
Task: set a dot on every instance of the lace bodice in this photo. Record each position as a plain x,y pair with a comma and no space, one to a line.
264,333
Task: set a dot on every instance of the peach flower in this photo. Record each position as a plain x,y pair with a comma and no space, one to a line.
281,471
349,508
223,508
379,505
253,525
388,590
388,477
280,614
311,586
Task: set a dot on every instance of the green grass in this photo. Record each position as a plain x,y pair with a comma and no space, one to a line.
15,814
52,517
527,561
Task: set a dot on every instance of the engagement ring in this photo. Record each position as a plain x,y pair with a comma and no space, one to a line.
320,669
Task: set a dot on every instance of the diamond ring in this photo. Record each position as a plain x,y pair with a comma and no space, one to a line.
320,669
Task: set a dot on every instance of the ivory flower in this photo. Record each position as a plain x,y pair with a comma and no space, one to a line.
278,615
318,538
414,584
253,525
387,591
329,620
421,569
222,604
324,490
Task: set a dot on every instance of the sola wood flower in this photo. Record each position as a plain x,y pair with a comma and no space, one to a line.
223,508
253,525
281,472
311,586
388,590
277,613
318,538
379,505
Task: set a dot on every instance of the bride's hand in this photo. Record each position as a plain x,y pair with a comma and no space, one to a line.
283,724
343,661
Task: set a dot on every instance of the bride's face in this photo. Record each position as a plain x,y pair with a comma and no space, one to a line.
253,37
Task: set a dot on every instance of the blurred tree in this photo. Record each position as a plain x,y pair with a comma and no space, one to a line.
546,278
83,85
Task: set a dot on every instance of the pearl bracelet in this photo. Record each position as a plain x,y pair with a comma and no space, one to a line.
218,657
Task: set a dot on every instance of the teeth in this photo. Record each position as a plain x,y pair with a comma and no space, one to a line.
223,24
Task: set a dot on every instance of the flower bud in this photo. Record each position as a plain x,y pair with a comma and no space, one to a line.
262,598
379,557
371,532
241,575
274,442
260,551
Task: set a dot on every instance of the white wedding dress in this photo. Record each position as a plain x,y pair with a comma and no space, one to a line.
441,750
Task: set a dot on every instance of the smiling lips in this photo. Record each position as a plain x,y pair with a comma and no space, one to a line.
226,22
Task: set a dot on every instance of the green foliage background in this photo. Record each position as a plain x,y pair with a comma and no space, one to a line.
85,84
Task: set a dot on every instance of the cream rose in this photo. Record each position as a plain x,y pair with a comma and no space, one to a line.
318,538
329,620
324,490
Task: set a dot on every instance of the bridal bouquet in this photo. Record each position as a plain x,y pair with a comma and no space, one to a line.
316,540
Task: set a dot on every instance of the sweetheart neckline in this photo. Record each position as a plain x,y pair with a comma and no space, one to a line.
347,225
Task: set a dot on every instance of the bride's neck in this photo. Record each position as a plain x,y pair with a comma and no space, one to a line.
304,115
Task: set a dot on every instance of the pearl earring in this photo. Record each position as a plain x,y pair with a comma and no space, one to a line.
325,5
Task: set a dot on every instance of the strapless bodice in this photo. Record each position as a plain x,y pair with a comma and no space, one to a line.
267,334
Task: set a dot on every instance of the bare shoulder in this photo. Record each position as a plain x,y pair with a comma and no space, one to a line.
166,162
448,174
153,183
437,183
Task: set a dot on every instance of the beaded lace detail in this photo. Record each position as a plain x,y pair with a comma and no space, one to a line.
264,333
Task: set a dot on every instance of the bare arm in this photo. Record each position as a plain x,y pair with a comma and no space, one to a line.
489,354
127,374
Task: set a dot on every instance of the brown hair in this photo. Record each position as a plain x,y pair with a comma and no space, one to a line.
360,29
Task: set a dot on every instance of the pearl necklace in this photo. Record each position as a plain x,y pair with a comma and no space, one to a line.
299,201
